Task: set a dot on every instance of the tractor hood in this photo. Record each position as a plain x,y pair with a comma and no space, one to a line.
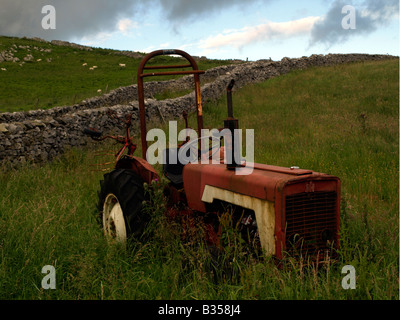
266,182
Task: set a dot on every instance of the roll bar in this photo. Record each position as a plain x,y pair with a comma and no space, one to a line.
142,67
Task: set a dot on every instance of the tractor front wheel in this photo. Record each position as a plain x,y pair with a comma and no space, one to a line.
120,205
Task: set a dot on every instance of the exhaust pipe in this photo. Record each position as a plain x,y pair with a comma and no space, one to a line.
232,144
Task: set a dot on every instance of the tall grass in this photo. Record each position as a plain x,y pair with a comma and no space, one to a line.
339,120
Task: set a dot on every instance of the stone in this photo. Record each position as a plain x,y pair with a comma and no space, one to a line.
3,127
12,128
29,58
38,123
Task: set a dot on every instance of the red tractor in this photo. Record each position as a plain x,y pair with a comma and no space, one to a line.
287,210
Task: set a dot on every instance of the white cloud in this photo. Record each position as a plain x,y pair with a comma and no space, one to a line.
238,38
125,26
96,40
148,49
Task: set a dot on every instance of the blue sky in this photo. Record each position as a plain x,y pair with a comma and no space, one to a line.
254,30
221,29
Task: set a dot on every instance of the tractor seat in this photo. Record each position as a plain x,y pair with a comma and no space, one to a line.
173,171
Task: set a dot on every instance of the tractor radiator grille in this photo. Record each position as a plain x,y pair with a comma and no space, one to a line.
310,222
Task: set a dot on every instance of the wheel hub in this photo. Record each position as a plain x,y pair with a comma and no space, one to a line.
113,219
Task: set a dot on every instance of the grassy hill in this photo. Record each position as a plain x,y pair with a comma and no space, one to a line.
54,75
341,120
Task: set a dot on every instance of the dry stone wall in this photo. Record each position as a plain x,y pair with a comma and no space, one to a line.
41,135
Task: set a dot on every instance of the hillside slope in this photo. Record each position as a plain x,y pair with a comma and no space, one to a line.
36,74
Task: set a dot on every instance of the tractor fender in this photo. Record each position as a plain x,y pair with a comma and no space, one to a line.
140,166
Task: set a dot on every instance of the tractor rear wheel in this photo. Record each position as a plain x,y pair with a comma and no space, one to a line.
120,205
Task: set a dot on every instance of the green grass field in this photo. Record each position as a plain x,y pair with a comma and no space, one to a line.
64,80
341,120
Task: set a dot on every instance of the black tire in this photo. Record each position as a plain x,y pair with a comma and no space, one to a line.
125,187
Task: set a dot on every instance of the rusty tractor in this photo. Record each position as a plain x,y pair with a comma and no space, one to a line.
283,210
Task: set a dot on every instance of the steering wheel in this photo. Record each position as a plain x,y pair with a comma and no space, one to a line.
189,151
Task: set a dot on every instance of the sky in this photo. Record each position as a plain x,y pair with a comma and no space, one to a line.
217,29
